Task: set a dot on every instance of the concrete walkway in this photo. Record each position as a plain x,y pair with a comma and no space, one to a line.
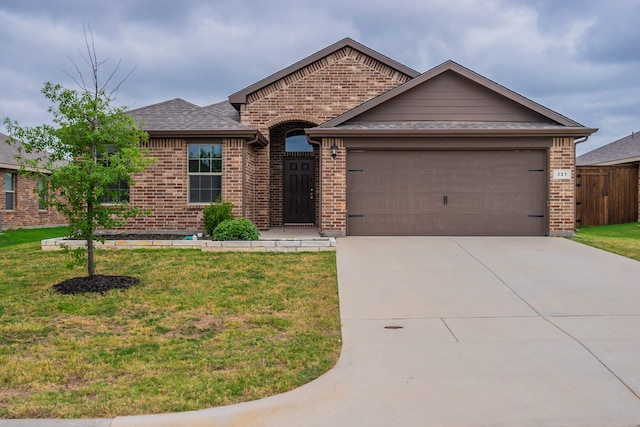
466,332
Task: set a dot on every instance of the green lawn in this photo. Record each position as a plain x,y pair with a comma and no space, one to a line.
622,239
16,237
201,330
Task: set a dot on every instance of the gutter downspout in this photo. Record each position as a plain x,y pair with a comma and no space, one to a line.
244,175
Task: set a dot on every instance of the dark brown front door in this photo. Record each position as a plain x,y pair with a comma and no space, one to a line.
299,190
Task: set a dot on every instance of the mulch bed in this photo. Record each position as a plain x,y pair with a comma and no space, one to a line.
96,283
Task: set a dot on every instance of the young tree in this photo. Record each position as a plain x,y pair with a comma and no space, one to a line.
90,155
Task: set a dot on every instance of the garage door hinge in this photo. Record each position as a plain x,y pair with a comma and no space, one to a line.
536,170
536,216
355,216
355,170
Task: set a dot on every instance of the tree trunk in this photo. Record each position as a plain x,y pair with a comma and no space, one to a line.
90,264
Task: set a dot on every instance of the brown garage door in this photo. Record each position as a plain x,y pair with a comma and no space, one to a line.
400,193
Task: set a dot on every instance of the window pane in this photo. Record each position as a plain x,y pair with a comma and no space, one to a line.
194,165
216,165
298,143
9,202
8,181
194,151
41,195
204,188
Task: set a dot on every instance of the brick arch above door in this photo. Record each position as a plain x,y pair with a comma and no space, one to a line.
292,118
277,158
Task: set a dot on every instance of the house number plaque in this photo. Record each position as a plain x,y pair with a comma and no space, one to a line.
562,174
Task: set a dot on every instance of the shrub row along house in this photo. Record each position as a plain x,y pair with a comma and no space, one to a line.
21,204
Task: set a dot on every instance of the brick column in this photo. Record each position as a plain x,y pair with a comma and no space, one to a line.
333,213
639,192
232,174
562,201
262,188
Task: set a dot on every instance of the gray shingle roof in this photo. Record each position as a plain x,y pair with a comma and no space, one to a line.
223,109
180,115
623,150
8,153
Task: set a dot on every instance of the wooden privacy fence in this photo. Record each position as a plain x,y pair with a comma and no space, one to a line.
606,194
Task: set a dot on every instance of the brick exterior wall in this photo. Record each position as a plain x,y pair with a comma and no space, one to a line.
313,94
562,193
26,212
334,189
232,174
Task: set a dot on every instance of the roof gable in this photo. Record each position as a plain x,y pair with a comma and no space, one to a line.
457,93
623,150
240,97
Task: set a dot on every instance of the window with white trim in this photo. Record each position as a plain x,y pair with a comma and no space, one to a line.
10,190
205,172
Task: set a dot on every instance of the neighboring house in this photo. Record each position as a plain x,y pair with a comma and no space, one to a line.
355,143
21,205
609,183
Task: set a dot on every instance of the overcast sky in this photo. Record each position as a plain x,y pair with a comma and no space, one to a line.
580,58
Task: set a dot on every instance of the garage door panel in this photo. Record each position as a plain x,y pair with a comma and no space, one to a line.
397,203
446,192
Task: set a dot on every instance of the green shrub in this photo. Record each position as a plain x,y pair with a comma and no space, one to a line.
236,229
216,213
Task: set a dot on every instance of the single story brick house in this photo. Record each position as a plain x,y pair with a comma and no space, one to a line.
21,206
354,143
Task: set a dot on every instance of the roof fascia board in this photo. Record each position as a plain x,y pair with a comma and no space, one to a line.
463,71
240,97
243,134
417,133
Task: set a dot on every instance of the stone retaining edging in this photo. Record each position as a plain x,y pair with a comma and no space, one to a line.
276,245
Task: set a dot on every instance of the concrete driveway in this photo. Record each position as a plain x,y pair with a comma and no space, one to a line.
467,332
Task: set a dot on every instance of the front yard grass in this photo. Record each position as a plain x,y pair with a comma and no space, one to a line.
201,330
621,239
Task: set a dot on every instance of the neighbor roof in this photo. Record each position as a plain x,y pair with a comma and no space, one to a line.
8,152
624,150
561,124
240,97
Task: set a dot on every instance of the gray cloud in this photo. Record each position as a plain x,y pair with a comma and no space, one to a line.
579,58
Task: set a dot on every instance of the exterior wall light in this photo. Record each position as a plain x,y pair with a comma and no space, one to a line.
334,150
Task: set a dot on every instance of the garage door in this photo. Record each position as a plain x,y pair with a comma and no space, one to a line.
400,193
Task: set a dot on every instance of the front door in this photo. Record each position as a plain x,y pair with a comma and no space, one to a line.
299,190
